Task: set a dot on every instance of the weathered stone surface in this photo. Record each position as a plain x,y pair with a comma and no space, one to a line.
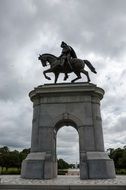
97,155
101,169
120,180
32,169
77,105
86,138
14,182
36,156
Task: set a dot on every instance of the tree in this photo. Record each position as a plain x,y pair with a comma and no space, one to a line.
62,164
23,154
4,149
12,159
122,160
3,156
119,157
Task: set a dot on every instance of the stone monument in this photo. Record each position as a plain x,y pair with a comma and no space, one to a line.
77,105
57,105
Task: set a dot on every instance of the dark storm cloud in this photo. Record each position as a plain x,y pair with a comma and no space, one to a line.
98,24
95,28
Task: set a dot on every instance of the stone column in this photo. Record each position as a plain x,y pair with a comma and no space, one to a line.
41,163
99,165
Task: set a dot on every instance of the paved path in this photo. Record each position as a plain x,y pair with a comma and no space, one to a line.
61,180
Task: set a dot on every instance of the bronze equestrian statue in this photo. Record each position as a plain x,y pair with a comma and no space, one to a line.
66,63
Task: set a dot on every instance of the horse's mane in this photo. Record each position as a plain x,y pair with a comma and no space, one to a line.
49,55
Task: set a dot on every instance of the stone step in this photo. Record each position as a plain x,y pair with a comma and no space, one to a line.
63,187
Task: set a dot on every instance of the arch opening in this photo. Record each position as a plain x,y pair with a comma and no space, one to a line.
67,143
65,122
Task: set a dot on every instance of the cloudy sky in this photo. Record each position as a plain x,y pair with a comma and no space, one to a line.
96,29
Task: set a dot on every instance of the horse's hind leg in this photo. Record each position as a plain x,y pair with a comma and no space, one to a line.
78,77
86,73
66,76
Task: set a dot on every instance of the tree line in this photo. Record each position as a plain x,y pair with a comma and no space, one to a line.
13,159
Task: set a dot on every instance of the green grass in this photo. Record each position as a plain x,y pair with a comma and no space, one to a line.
62,171
10,171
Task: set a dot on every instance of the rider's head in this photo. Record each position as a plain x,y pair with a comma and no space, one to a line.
63,44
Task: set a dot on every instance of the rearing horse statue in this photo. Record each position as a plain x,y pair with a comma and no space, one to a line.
56,68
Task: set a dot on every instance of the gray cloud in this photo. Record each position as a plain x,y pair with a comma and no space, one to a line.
68,144
94,28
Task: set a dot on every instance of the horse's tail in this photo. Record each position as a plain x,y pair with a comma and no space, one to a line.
90,66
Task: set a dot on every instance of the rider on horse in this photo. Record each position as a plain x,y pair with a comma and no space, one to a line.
66,54
64,59
66,63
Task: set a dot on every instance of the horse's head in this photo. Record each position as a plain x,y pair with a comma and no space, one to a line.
43,60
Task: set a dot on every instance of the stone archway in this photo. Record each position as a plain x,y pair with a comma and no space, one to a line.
76,104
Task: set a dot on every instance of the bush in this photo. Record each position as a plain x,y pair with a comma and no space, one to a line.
121,171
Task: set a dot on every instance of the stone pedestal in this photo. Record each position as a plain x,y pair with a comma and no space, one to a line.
59,105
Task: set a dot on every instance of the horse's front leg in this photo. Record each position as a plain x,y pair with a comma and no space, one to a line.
56,77
47,71
66,76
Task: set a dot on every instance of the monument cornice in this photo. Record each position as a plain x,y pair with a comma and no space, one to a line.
66,88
